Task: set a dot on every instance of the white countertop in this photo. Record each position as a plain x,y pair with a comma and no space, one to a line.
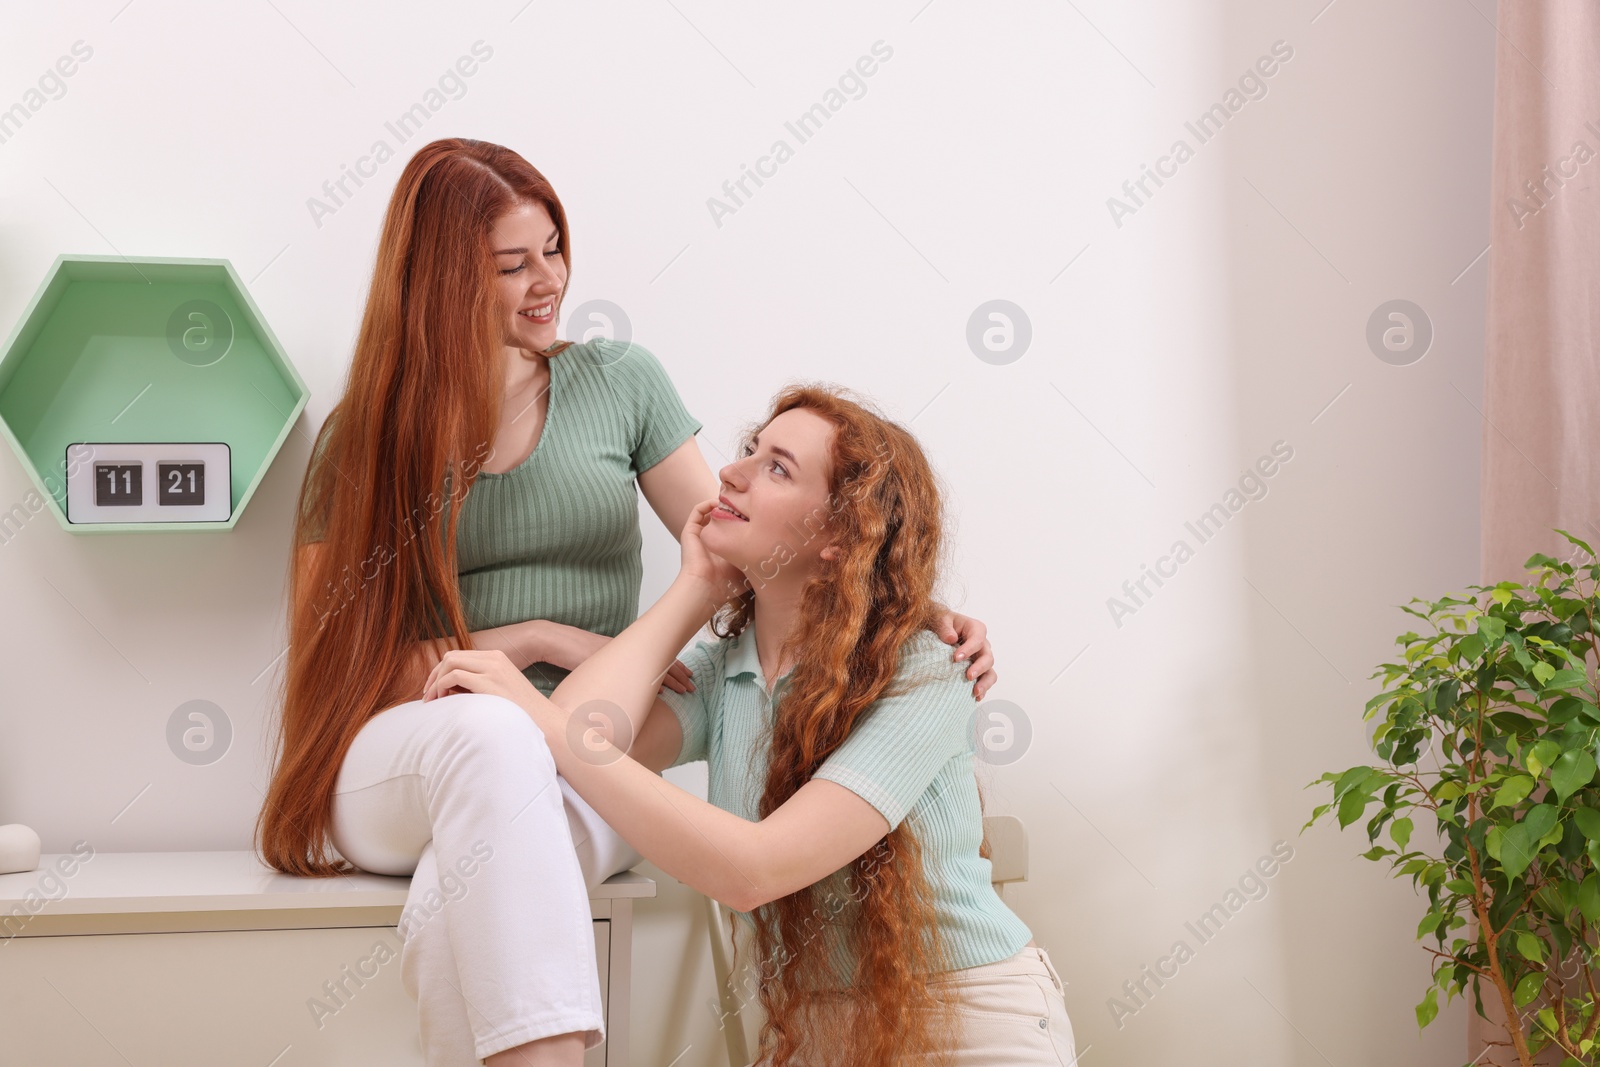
141,882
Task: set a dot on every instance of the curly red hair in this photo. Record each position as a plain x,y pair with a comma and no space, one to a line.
885,515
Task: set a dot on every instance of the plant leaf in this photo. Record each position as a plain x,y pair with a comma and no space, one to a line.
1573,771
1588,821
1541,756
1581,544
1513,791
1428,1008
1516,850
1539,820
1352,807
1351,779
1589,897
1567,679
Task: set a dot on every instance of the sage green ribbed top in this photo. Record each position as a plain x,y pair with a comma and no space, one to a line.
557,537
910,755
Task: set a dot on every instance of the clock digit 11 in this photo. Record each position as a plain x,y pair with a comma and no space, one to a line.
118,484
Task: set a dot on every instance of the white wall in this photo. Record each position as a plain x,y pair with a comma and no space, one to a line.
1227,313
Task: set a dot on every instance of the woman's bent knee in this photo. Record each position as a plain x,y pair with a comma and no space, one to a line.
490,724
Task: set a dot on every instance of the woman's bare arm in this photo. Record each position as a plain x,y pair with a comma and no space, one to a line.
676,484
743,864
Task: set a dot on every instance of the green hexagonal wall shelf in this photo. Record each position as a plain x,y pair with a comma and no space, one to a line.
145,349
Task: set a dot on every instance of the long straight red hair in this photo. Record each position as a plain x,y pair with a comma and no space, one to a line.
393,463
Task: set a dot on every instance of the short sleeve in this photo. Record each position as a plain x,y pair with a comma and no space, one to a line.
901,742
694,709
661,423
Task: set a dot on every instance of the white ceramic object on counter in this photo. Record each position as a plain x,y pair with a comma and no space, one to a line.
19,849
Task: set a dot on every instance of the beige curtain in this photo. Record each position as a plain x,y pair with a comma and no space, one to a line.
1541,369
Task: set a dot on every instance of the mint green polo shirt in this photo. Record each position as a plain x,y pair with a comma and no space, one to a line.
910,755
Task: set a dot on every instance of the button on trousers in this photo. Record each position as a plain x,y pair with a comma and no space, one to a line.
497,938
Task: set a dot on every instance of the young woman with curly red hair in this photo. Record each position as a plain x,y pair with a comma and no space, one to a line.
844,817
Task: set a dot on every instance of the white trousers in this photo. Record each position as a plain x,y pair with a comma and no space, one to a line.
497,941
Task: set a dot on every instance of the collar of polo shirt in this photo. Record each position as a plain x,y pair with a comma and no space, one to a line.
742,657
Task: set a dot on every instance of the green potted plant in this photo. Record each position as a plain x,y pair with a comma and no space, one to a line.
1489,723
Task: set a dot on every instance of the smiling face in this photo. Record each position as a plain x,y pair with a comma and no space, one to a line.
774,508
527,253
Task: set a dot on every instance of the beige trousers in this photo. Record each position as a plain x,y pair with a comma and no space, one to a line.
1012,1014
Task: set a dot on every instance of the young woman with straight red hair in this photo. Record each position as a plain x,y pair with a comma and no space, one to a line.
459,383
843,816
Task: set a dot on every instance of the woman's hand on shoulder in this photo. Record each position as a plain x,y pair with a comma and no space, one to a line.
971,638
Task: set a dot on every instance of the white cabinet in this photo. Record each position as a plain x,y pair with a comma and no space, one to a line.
207,958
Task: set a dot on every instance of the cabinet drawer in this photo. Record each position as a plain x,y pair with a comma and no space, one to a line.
235,996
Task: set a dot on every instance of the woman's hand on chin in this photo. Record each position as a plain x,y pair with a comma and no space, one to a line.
701,564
